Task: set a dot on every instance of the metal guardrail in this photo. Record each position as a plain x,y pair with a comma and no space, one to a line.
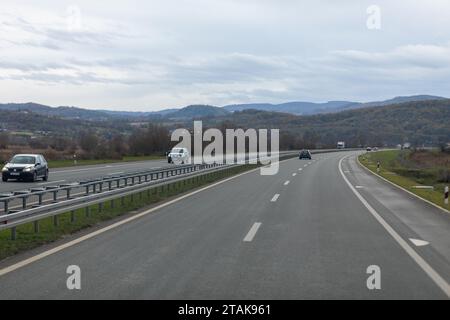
92,187
98,191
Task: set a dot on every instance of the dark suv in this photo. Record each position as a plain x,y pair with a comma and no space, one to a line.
26,166
304,154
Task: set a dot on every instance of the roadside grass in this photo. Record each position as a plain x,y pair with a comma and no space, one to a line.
70,163
395,167
27,238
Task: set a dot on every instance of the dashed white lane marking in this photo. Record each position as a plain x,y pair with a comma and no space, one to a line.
300,169
346,171
50,182
305,165
428,269
418,242
275,197
359,187
252,232
294,174
286,183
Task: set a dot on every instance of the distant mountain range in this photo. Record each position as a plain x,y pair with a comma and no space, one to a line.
416,120
309,108
202,111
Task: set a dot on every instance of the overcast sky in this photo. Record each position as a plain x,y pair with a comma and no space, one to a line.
151,55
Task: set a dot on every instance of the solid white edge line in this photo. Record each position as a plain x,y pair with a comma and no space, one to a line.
252,232
437,279
396,185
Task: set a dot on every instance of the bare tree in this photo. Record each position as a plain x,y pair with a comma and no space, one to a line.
88,141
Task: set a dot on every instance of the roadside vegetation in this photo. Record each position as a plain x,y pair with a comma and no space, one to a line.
51,230
412,168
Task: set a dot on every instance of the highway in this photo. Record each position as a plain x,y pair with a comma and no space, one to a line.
308,232
79,173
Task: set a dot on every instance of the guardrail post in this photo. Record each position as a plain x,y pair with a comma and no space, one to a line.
36,226
88,211
13,233
122,201
72,216
55,220
112,204
100,207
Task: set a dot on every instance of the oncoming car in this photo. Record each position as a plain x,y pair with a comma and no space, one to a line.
305,154
180,155
26,167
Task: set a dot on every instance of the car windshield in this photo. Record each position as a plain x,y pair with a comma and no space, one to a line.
23,160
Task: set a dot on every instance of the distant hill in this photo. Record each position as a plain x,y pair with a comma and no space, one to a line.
395,100
299,107
29,121
417,122
200,111
308,108
62,112
196,111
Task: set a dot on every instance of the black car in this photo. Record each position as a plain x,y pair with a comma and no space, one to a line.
304,154
26,167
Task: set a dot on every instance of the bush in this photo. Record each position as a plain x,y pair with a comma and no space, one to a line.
444,175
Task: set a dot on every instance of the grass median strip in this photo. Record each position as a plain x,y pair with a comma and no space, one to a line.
415,173
51,229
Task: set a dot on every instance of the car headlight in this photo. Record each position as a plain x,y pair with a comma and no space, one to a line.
27,169
4,169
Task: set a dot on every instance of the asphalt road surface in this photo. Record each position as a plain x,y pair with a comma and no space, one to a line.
311,231
75,174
